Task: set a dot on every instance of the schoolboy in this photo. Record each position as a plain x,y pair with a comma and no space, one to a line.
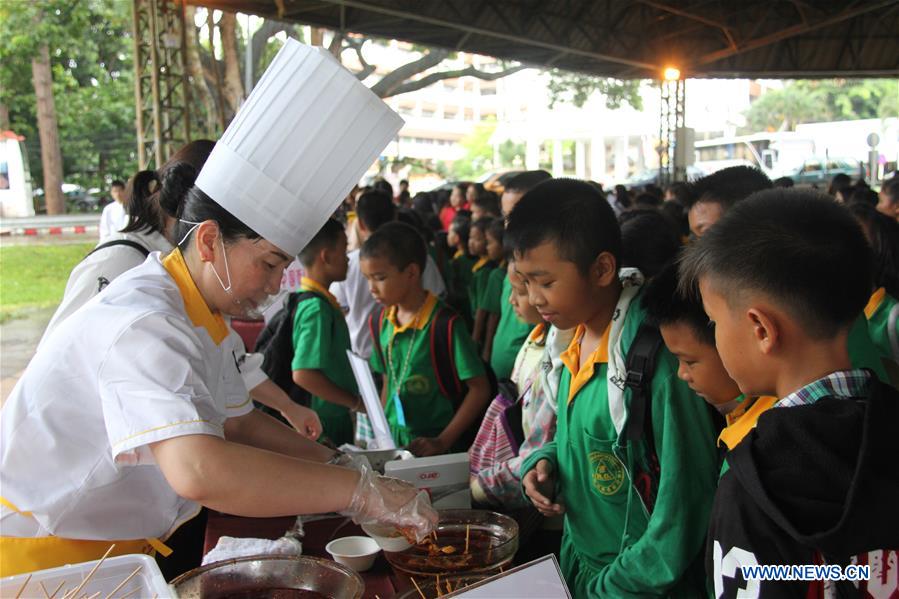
420,416
491,298
460,264
511,330
816,481
485,204
712,195
690,338
480,274
619,540
321,337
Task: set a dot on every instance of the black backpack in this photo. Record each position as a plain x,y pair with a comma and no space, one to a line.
102,282
275,343
640,365
443,360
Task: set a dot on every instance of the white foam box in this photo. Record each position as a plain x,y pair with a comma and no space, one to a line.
148,582
444,477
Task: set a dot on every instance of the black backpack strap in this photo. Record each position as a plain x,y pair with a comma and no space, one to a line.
375,320
443,358
640,364
126,242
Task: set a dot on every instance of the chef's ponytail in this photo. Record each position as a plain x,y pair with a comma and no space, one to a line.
199,207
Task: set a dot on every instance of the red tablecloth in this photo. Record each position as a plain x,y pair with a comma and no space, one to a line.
379,581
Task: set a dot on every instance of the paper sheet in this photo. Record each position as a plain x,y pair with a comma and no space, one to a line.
372,400
539,579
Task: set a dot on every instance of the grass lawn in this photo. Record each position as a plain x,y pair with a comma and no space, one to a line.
34,276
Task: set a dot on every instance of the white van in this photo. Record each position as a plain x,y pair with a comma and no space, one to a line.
16,199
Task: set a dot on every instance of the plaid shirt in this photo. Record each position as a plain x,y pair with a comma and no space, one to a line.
842,384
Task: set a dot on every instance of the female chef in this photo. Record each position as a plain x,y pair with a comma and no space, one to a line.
114,432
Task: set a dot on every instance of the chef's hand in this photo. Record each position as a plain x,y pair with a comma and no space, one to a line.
383,500
303,419
540,485
423,447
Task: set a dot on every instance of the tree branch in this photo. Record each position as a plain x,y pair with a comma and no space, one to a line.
432,78
356,46
390,82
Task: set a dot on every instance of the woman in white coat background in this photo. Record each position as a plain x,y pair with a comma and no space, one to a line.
126,420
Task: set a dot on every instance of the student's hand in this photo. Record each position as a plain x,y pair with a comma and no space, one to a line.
384,500
304,420
539,485
423,447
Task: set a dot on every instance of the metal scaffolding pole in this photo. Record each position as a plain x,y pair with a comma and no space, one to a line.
671,119
160,80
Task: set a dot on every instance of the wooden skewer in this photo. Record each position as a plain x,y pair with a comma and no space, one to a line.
56,590
131,592
44,589
449,587
467,534
417,588
95,595
77,589
124,582
437,586
25,584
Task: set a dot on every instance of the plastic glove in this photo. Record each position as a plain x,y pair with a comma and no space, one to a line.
384,500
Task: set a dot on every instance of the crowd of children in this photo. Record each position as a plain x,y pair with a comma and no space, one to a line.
688,382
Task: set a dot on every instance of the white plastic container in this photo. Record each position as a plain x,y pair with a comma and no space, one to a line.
356,553
149,582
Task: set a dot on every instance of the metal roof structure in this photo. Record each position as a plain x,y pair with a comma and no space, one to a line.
628,38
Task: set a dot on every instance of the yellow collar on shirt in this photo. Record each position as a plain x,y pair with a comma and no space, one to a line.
743,419
479,264
875,302
194,304
421,318
307,284
571,358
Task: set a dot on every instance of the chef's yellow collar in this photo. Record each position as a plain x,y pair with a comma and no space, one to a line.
308,284
197,309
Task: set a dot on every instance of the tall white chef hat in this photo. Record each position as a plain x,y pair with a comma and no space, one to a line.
304,137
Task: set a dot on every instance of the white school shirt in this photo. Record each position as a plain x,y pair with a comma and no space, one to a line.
357,302
112,220
127,370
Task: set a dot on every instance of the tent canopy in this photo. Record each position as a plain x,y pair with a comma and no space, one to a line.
628,38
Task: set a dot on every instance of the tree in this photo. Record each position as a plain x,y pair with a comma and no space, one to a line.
575,88
810,101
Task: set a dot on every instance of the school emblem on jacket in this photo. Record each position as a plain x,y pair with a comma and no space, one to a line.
418,384
608,473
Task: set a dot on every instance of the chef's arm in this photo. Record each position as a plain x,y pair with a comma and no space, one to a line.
262,431
248,481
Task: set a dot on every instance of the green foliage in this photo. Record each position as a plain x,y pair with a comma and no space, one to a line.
478,152
810,101
574,88
34,276
93,88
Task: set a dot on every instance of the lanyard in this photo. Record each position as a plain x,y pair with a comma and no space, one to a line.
400,376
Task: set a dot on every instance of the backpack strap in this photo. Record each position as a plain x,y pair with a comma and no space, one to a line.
375,320
126,242
443,358
640,365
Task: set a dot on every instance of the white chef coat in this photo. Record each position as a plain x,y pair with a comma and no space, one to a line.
98,270
112,220
357,302
128,369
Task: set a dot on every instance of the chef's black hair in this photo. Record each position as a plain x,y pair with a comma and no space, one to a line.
199,207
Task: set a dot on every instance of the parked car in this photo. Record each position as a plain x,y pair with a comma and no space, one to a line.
819,170
78,199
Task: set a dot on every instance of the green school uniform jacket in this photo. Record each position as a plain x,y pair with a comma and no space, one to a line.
460,283
882,313
320,340
611,546
423,411
511,333
480,275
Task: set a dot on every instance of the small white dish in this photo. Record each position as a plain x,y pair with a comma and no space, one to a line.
388,538
356,553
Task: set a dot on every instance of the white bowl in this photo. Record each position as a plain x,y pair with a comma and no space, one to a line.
387,537
356,553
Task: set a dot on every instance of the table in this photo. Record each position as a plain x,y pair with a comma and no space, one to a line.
379,581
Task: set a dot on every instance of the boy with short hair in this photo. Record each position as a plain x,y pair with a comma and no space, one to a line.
816,481
639,506
491,298
421,416
480,274
321,337
712,195
689,336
